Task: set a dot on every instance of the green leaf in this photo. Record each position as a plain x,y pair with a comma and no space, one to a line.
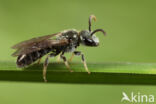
101,73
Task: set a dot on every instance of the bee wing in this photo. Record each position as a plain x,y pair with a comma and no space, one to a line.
33,40
40,45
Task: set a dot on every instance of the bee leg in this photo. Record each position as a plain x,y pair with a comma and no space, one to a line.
70,60
45,68
58,58
83,60
39,61
66,62
46,62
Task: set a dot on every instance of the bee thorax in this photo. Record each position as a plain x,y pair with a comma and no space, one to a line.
73,37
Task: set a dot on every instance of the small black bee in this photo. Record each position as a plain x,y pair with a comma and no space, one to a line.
29,51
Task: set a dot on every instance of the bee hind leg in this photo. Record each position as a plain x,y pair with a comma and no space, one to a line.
83,60
46,62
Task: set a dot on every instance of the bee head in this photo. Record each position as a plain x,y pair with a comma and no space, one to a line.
87,37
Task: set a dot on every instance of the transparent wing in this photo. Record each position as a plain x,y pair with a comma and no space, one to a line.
39,46
33,40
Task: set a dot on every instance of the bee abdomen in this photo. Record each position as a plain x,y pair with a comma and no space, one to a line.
27,59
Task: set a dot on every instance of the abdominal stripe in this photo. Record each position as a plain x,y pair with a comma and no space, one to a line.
28,59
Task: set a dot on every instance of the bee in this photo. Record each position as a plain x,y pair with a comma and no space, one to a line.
30,51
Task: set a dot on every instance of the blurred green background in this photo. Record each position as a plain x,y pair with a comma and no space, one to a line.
131,37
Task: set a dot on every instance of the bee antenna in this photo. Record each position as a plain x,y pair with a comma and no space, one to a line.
90,19
98,30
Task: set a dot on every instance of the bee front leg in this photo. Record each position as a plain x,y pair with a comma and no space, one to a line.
66,62
83,60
